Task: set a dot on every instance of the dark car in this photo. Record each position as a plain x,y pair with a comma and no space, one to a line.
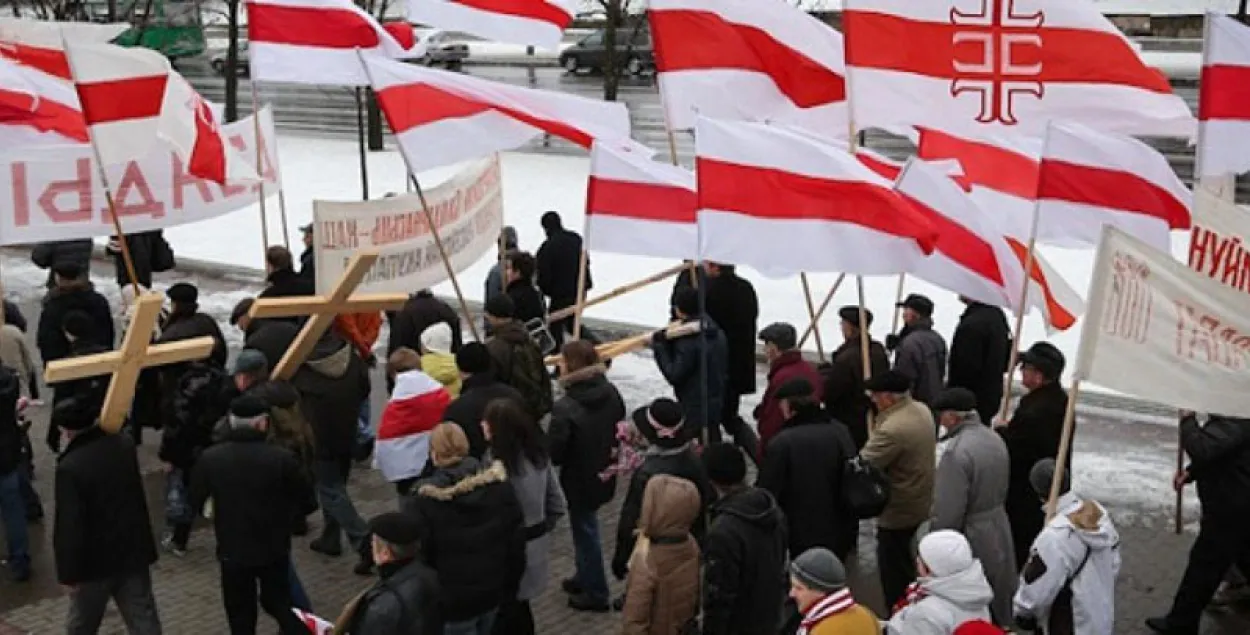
440,48
633,50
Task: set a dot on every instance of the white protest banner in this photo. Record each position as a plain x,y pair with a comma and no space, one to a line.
467,211
1219,246
1160,331
54,193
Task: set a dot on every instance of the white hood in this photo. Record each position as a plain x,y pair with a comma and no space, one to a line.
966,589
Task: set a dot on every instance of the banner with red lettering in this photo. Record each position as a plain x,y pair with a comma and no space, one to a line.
54,193
467,210
1219,244
1157,330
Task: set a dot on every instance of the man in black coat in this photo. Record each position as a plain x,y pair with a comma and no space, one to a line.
78,330
980,349
844,394
187,322
734,307
1033,434
102,535
281,279
479,388
405,601
421,311
559,265
1219,462
308,258
256,488
50,255
803,471
694,365
527,303
272,337
148,250
582,437
744,576
72,293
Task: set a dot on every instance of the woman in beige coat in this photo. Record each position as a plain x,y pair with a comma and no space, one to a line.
662,593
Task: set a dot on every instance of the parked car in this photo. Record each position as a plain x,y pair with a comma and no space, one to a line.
440,48
218,61
633,49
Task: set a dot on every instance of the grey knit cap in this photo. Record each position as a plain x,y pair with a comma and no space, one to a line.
1041,475
819,570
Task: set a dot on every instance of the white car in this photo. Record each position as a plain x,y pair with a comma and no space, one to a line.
440,48
218,61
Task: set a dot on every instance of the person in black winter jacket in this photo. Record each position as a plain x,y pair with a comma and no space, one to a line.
559,265
682,361
744,576
72,294
919,351
50,255
12,501
472,531
420,312
479,388
195,405
256,488
150,252
666,430
1033,434
844,395
979,353
582,436
281,279
803,471
527,302
186,322
733,306
102,537
405,601
77,329
308,258
272,337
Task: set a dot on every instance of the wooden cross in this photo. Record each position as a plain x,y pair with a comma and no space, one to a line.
125,363
323,310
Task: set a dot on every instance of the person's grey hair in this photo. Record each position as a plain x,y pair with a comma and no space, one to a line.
246,422
400,552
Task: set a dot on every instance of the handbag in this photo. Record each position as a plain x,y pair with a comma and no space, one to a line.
865,489
162,254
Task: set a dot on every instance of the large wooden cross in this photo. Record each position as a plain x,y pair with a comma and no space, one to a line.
125,363
323,310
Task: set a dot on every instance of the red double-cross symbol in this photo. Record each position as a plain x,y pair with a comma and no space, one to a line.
997,56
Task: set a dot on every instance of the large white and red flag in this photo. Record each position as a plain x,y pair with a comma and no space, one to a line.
132,100
1088,179
638,206
538,23
784,202
316,41
38,104
755,60
973,258
1001,66
441,117
1224,99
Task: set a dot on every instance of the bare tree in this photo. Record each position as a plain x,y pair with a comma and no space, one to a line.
232,60
1241,12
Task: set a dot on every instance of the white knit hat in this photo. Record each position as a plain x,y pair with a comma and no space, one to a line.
945,552
436,338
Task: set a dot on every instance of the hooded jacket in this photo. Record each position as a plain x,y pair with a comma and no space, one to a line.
745,581
332,384
921,355
583,434
680,462
1068,584
519,363
944,603
473,535
74,296
662,594
680,361
437,359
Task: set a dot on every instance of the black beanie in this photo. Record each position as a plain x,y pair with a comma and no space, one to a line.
500,306
473,358
686,300
724,464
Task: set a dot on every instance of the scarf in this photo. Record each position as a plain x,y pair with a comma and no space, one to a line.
912,595
831,605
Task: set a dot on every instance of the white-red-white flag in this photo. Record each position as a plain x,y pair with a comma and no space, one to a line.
315,624
1224,99
754,60
441,117
538,23
973,258
1001,67
638,206
1089,179
132,100
38,104
316,41
784,202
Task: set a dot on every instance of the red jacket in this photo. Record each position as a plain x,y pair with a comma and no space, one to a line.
789,365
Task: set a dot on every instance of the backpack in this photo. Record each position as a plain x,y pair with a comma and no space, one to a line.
528,374
865,489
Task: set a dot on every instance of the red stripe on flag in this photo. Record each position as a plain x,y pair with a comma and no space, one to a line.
1110,189
529,9
307,26
408,106
772,194
984,164
18,108
1058,315
1224,93
884,169
208,156
1065,55
962,246
640,201
701,40
50,61
123,99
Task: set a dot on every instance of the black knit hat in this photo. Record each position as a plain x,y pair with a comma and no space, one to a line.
662,423
473,358
183,293
889,381
81,410
241,309
500,306
724,464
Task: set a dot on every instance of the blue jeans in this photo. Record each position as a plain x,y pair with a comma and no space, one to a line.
299,597
13,509
588,553
364,427
480,625
337,510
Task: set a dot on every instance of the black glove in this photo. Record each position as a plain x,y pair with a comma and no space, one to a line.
891,341
659,337
620,569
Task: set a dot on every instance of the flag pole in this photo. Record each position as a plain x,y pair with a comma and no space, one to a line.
1065,449
580,300
360,141
811,312
824,304
864,343
104,180
898,297
672,155
260,169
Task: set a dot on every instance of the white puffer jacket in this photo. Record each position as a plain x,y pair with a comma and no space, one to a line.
946,603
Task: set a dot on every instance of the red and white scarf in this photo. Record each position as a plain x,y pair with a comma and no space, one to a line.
831,605
914,594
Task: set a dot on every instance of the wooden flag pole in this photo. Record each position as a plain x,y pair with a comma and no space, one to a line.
898,297
277,167
580,302
556,316
1065,447
811,312
260,169
442,250
864,343
824,304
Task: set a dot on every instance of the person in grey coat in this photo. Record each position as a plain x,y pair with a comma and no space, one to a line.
970,492
919,352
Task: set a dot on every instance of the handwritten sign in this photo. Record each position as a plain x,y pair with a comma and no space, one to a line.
1219,247
467,211
54,193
